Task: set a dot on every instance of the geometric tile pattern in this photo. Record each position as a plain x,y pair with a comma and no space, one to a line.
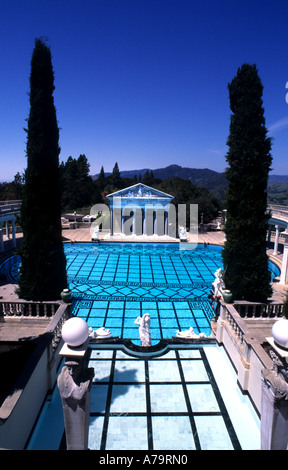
167,403
166,317
136,290
163,264
9,269
113,283
170,401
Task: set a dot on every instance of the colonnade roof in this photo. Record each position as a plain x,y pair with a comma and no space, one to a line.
140,191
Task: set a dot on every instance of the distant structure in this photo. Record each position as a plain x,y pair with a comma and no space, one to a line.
9,210
140,210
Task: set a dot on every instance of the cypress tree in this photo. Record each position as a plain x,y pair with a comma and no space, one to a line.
115,176
43,263
249,156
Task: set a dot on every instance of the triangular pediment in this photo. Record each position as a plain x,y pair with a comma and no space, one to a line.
138,191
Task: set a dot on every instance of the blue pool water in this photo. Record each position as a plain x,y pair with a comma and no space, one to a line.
114,283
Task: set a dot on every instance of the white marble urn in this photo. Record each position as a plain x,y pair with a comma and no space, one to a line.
75,332
280,332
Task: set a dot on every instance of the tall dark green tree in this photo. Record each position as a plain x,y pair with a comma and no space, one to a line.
115,176
43,270
77,189
249,157
101,177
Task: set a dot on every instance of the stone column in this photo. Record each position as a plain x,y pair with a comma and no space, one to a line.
1,238
166,222
7,229
13,233
111,220
134,231
122,221
284,267
274,405
144,220
276,240
155,222
220,324
74,384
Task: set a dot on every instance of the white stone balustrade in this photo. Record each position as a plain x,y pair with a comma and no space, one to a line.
28,309
243,347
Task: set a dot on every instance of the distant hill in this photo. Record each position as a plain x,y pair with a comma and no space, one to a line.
212,180
278,190
279,179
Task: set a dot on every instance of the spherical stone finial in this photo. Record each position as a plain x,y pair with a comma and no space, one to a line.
280,332
75,332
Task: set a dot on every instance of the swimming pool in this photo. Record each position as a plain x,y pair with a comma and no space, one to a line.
114,283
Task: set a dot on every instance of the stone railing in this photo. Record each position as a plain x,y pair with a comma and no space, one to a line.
277,208
237,326
24,308
258,310
245,346
9,207
55,314
63,313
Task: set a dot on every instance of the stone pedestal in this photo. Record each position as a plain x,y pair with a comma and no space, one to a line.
274,402
74,384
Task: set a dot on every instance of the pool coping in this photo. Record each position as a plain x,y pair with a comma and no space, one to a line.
149,351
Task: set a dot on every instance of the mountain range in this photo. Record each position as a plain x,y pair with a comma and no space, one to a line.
212,180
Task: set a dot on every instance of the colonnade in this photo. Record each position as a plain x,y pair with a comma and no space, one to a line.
8,212
141,210
140,220
5,222
284,267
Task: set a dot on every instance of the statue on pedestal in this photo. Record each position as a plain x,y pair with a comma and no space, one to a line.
277,378
274,405
144,329
74,384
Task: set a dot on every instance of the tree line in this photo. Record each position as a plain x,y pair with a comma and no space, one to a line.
79,191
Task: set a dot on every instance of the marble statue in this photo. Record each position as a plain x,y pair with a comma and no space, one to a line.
95,235
189,334
74,384
218,284
182,233
144,329
70,383
274,404
277,377
101,333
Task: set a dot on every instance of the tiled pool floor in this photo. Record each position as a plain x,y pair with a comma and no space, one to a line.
186,399
112,284
166,318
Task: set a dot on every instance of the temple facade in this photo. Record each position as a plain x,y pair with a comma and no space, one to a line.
141,210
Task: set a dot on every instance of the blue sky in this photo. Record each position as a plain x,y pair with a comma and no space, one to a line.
143,82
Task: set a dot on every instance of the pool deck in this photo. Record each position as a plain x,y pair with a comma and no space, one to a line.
83,235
